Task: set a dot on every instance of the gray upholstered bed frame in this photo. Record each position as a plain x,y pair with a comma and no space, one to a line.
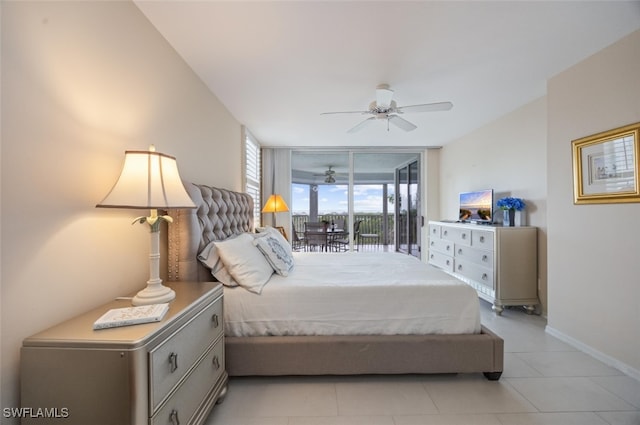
221,213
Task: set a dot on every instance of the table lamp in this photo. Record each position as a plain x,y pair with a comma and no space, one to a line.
150,180
275,204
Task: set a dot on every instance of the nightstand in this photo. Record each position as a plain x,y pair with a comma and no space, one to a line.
169,372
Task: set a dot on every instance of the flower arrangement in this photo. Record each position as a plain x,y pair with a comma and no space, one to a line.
509,203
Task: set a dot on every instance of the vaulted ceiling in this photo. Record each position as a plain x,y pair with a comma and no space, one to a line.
277,66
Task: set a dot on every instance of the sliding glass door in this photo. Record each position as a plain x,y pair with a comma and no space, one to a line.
357,187
408,208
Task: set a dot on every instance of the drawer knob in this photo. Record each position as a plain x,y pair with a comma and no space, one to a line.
446,233
448,262
215,320
173,417
484,276
481,238
485,258
459,250
216,362
448,247
173,362
459,266
464,236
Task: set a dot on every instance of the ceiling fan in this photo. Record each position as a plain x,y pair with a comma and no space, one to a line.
329,175
385,108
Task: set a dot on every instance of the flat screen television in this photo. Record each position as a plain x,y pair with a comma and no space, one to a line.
476,206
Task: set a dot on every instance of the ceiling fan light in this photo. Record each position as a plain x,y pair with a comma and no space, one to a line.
383,96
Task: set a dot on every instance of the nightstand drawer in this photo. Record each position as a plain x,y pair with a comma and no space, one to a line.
170,361
182,404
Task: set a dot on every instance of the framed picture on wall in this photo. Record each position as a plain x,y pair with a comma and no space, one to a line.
605,166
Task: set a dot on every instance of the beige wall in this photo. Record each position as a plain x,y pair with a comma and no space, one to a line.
594,267
82,82
508,156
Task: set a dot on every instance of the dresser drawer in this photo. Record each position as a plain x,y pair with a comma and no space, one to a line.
482,239
171,360
474,272
441,260
441,245
183,404
434,231
478,256
458,235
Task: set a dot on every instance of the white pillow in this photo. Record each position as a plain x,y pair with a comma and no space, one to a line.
277,255
245,262
210,258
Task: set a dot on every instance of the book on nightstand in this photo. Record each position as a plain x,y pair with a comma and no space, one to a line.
127,316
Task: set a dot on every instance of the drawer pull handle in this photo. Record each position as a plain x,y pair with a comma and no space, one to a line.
484,276
216,362
485,258
215,320
431,255
464,236
174,417
448,262
459,266
481,238
448,247
173,362
459,250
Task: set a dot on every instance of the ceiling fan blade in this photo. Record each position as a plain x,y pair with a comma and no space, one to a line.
361,125
427,107
401,123
344,112
383,96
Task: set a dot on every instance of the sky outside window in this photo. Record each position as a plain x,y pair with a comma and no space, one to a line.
334,199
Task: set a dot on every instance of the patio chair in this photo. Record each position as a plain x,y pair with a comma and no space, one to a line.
341,244
315,236
297,239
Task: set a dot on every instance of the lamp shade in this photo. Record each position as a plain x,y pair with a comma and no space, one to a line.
149,180
275,204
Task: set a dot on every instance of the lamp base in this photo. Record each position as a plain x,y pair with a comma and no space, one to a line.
154,293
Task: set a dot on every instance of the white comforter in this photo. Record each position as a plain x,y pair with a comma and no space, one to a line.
354,294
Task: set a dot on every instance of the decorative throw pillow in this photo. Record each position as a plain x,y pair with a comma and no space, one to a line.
245,262
211,259
276,233
276,253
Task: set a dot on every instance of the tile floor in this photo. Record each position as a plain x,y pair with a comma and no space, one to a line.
545,381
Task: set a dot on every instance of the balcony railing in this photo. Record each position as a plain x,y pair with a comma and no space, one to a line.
372,223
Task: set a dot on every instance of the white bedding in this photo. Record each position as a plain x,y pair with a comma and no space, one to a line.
354,294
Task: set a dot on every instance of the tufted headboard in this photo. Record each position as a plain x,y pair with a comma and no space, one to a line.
219,213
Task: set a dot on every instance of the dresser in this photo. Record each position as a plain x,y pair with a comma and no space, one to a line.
169,372
500,263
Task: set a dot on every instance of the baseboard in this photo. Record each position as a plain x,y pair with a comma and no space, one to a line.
608,360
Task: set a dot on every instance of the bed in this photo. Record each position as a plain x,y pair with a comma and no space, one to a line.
403,345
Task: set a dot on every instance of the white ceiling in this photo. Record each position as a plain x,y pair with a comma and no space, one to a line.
277,65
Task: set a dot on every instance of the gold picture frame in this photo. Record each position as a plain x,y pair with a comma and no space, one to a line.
605,167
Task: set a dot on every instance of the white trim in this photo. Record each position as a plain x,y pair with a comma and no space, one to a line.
608,360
